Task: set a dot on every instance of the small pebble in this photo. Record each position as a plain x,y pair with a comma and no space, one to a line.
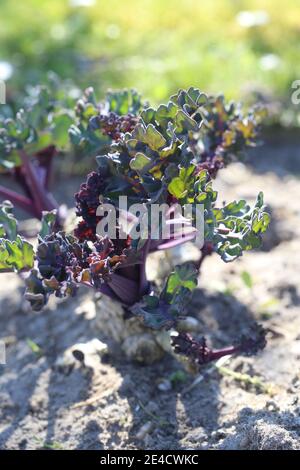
218,434
164,385
272,406
189,324
144,431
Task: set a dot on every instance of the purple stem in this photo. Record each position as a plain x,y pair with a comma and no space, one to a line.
143,287
216,354
199,352
126,290
19,200
41,199
106,290
207,250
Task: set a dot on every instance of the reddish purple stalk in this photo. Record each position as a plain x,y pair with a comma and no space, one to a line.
215,354
18,200
200,353
34,180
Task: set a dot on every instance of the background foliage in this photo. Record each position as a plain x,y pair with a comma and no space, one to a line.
156,46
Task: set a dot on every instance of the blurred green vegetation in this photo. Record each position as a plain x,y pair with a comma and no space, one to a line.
157,46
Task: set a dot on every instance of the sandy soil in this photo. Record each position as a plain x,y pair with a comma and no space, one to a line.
112,403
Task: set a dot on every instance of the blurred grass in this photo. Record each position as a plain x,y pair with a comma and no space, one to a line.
153,45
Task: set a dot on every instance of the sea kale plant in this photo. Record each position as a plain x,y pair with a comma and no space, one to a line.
168,155
34,134
30,138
